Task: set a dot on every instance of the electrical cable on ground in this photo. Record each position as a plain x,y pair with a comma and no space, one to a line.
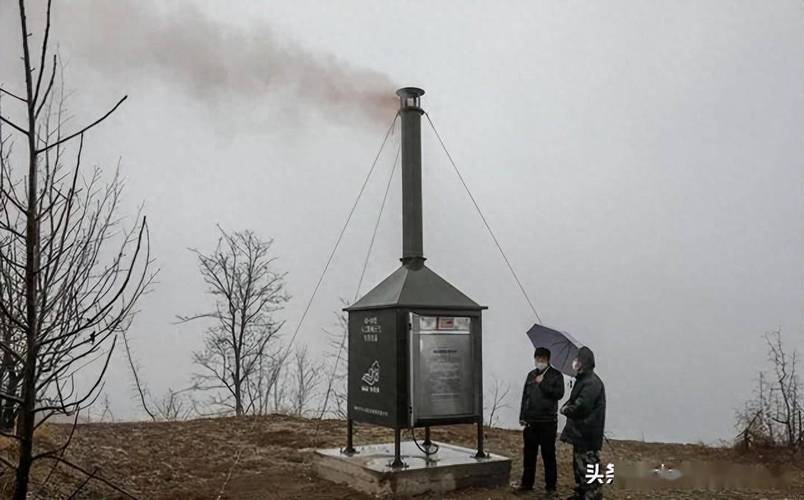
485,222
427,452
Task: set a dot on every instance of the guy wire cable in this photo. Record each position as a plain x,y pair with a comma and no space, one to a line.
360,282
485,222
338,241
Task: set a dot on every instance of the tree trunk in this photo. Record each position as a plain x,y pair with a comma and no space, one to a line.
238,392
26,427
26,421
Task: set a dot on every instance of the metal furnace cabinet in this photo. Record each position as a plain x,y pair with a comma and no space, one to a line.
415,367
413,363
415,349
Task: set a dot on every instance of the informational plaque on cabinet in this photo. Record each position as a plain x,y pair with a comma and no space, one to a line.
443,375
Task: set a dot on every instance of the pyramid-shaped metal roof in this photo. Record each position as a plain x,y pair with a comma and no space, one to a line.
414,287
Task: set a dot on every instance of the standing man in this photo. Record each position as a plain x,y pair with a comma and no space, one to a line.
586,415
544,386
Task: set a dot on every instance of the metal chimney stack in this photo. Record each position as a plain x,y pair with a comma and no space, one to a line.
415,341
411,113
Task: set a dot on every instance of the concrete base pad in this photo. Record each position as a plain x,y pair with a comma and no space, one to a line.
451,468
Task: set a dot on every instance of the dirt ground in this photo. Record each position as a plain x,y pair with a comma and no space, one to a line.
270,457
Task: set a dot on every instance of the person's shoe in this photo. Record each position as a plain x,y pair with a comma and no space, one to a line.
518,489
576,495
550,493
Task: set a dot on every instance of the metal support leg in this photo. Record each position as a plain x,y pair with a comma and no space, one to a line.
397,463
481,453
350,449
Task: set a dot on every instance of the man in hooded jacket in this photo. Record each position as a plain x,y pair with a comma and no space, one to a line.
586,414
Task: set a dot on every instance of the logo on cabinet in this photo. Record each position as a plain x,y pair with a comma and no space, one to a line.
371,378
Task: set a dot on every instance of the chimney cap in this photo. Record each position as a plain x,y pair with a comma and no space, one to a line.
410,92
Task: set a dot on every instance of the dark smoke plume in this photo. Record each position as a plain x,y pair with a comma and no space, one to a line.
211,60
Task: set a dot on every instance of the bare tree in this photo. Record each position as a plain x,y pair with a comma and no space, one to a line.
497,394
105,410
784,394
174,405
305,378
10,335
775,414
279,394
260,388
11,282
140,390
240,276
66,293
335,363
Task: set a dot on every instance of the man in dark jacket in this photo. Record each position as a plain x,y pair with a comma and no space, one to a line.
544,386
586,415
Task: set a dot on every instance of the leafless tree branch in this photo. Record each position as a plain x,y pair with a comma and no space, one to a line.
236,357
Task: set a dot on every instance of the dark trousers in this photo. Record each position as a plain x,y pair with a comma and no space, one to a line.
585,464
539,435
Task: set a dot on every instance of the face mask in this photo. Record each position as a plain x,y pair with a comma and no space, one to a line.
576,365
541,366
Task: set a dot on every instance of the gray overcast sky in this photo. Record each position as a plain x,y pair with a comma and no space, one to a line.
640,162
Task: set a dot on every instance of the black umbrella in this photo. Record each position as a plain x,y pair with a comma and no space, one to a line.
563,347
